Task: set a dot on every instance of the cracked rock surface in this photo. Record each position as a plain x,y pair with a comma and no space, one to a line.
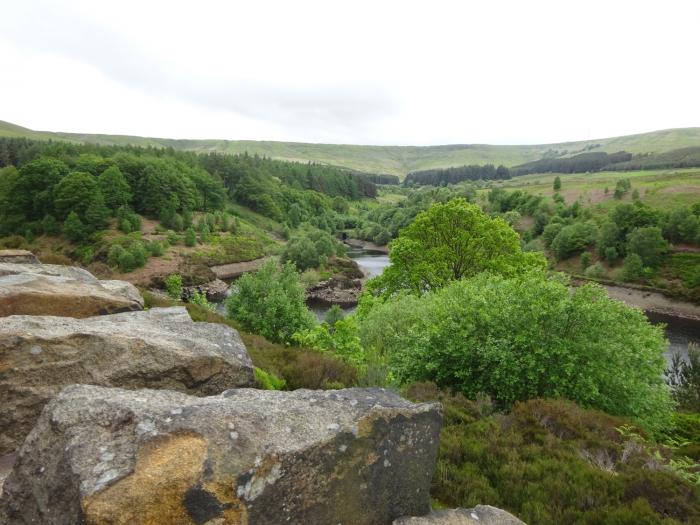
158,348
106,455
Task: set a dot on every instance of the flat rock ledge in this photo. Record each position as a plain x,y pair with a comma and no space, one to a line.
18,257
479,515
254,457
158,348
49,289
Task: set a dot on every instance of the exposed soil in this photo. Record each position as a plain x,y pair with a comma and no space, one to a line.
227,272
654,302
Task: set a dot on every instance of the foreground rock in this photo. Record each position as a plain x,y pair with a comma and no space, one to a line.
479,515
18,257
159,348
97,455
48,289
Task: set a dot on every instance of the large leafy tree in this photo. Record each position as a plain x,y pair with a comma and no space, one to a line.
524,337
32,193
452,241
115,188
649,244
74,193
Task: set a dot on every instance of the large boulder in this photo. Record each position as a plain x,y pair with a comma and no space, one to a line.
254,457
158,348
18,257
49,289
479,515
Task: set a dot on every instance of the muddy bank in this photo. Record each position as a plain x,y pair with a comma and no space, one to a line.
654,302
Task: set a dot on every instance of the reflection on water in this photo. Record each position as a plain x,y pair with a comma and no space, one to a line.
679,332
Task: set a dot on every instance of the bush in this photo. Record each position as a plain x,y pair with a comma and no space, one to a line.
271,302
550,462
595,271
200,299
310,248
519,338
155,249
190,237
649,244
572,239
126,262
173,286
633,268
268,381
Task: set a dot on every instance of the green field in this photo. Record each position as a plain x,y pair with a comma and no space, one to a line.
395,160
661,189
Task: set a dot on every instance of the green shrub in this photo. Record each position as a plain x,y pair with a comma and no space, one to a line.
190,237
173,286
126,261
525,337
268,381
155,249
595,271
550,462
201,299
271,302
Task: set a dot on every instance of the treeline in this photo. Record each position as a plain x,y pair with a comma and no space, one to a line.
382,178
442,176
46,181
581,163
677,158
620,161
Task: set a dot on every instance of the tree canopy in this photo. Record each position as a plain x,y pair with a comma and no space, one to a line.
452,241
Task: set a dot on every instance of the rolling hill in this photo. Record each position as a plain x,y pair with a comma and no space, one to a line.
394,160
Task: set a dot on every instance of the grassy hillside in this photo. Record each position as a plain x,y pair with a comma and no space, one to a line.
395,160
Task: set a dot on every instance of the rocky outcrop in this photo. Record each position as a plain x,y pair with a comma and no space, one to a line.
47,289
98,455
215,291
479,515
343,292
158,348
18,257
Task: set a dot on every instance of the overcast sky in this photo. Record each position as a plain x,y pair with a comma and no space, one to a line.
375,72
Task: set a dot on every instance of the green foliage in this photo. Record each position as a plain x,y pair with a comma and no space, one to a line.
452,241
524,337
333,315
585,260
268,381
310,248
173,286
557,183
633,268
74,193
200,299
50,225
573,239
190,237
271,302
550,462
341,339
155,249
73,228
115,188
595,271
96,214
649,244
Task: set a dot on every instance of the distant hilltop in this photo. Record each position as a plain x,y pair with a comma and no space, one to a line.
393,160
